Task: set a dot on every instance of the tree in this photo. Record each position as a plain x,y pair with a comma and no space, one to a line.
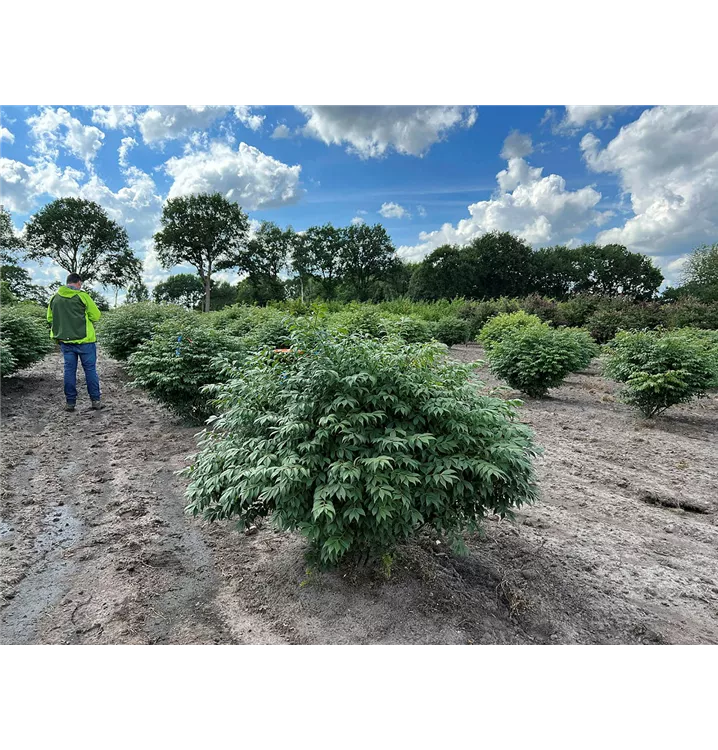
181,289
137,292
223,294
19,283
366,255
81,238
612,270
10,242
497,264
700,276
206,231
122,270
317,253
609,270
267,254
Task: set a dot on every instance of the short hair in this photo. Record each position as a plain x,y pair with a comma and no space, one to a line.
73,278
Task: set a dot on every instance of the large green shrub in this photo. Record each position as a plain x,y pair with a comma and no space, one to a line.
534,358
8,363
477,314
626,315
411,330
583,346
123,329
660,368
181,357
358,443
450,331
505,323
24,337
272,332
690,312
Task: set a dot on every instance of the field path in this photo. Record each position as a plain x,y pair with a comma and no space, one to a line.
96,548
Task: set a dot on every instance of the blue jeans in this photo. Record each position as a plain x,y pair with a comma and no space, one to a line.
87,354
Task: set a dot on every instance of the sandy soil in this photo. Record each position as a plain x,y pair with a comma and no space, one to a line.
96,548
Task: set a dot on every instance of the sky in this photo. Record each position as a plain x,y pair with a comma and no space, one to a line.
644,177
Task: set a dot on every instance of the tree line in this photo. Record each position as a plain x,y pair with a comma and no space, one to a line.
359,262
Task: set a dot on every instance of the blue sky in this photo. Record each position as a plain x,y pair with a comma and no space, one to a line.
646,177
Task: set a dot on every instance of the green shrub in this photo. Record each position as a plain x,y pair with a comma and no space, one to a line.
505,323
690,312
577,310
272,332
123,329
24,337
450,331
660,368
411,330
363,320
583,346
358,443
625,315
8,363
534,358
477,314
542,307
182,356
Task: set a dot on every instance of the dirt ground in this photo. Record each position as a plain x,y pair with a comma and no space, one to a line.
96,548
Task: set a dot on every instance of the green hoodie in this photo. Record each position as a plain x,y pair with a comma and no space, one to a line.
72,313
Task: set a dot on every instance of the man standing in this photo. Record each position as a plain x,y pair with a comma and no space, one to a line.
72,313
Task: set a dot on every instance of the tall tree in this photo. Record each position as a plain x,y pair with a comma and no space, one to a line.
444,273
613,270
268,252
366,255
122,270
17,280
317,253
184,289
80,237
137,292
700,274
206,231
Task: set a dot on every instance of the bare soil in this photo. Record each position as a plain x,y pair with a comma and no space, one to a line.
96,548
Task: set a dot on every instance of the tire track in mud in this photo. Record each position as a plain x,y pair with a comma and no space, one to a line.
97,548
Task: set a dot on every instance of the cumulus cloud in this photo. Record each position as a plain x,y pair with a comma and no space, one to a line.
165,122
245,175
539,209
578,116
394,211
281,131
372,131
517,145
114,117
125,146
667,161
6,135
357,220
53,129
22,184
249,120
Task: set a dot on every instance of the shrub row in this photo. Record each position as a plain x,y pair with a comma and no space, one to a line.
24,337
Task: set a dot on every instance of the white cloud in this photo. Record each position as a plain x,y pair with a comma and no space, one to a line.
245,116
578,116
421,211
517,145
7,135
393,211
539,209
22,184
281,131
358,220
245,175
125,146
165,122
114,117
371,131
55,128
361,211
667,161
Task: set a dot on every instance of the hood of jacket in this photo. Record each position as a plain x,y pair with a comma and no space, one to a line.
67,291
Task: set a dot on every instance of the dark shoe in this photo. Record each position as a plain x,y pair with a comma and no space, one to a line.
69,406
97,405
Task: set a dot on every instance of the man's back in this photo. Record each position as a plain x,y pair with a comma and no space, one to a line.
71,313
